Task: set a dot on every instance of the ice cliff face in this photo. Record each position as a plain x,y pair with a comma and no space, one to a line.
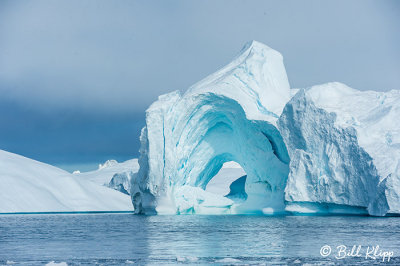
328,148
387,200
229,116
122,182
344,147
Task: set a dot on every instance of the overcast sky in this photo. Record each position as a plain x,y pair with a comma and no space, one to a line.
77,76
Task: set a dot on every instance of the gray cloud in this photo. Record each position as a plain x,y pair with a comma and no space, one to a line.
120,55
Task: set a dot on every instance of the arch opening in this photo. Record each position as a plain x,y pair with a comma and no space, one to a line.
229,182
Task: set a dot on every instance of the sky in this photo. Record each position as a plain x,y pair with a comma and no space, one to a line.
77,76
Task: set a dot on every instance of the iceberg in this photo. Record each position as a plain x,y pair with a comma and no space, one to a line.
324,149
113,174
344,147
240,141
229,116
29,186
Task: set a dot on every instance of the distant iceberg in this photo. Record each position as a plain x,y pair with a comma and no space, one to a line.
325,149
29,186
113,174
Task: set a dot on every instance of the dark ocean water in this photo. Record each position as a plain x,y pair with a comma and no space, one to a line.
118,239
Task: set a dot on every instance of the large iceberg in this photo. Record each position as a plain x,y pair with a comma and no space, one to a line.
327,149
229,116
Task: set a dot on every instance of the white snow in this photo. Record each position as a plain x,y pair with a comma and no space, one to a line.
30,186
106,171
113,175
107,164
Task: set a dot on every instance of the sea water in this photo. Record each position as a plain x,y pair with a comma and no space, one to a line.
117,239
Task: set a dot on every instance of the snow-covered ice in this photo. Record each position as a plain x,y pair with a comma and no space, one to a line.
113,174
111,169
31,186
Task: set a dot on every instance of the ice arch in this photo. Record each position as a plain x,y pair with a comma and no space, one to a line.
229,116
190,147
